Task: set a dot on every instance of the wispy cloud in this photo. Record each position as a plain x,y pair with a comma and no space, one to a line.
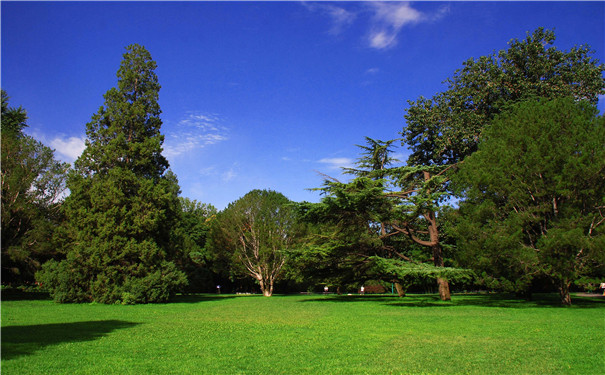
369,75
228,175
208,171
195,131
337,163
68,149
386,19
441,12
224,175
372,71
340,17
389,18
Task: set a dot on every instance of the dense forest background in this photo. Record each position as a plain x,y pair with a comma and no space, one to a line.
504,190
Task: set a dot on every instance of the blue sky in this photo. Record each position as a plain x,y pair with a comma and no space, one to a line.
262,94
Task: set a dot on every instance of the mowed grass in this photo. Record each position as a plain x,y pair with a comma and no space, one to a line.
315,334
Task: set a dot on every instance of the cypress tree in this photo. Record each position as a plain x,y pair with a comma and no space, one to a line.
123,201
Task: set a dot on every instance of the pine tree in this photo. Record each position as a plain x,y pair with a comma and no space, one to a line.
381,218
123,200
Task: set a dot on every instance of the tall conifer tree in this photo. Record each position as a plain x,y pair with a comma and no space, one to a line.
123,200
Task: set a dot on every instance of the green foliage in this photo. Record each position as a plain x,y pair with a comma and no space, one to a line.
410,273
123,204
14,120
255,234
386,213
192,233
32,185
376,157
66,281
448,127
345,229
535,194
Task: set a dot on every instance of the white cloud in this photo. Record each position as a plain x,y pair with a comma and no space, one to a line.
216,173
388,20
195,131
382,39
69,149
396,14
208,171
229,175
372,71
337,163
441,12
340,17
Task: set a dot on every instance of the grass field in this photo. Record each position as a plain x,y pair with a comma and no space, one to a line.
315,334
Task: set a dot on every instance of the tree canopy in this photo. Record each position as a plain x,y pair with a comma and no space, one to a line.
33,183
257,231
379,219
448,127
191,236
123,202
441,132
534,196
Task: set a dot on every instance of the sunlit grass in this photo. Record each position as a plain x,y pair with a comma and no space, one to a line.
478,334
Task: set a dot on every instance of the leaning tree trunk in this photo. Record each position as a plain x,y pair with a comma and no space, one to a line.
432,243
564,292
400,290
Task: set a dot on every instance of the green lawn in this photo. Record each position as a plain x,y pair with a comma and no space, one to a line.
475,334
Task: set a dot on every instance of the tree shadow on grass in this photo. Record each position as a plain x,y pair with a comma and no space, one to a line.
482,300
20,341
17,295
503,300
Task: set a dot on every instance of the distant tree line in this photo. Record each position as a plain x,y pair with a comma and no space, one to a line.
504,189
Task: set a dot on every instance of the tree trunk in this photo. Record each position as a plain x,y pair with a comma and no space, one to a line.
400,290
270,288
444,286
444,289
266,289
564,292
